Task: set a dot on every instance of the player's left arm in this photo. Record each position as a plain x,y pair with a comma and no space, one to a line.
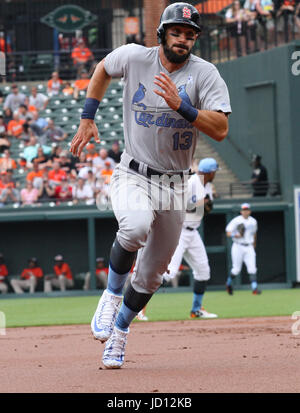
210,122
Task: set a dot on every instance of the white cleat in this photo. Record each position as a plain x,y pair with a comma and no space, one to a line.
114,352
141,316
206,314
103,322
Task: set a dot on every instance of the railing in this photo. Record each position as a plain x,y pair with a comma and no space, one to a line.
33,66
217,43
222,42
260,189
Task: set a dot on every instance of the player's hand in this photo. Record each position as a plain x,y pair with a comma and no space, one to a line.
86,131
169,91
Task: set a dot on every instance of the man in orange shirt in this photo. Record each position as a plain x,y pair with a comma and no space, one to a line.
35,173
107,172
7,162
54,84
62,277
29,278
3,274
15,126
101,273
56,174
91,151
81,55
81,84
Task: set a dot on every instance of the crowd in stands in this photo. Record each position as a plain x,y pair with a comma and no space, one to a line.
252,23
52,173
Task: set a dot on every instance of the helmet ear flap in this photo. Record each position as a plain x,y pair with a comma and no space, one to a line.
161,34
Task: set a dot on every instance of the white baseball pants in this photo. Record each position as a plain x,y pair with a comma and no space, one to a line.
243,254
191,248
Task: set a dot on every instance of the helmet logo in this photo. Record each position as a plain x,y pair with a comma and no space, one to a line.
186,12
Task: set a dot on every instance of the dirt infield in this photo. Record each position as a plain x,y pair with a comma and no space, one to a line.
229,355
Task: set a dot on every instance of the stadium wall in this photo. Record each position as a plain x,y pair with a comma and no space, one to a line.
265,116
82,234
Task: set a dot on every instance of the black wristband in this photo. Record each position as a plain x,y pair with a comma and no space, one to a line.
187,111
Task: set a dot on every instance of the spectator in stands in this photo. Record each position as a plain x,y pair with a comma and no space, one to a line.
115,153
36,172
259,177
81,56
29,194
8,115
8,177
62,277
81,84
83,192
265,17
3,126
29,278
286,12
54,133
81,161
24,113
56,150
251,26
4,143
91,180
62,192
45,190
14,99
99,161
6,162
15,126
91,151
106,172
101,273
3,275
68,90
83,172
9,195
297,16
236,18
39,127
42,159
66,163
38,100
31,149
54,84
1,97
56,174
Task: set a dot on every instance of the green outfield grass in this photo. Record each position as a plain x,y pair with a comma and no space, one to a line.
163,306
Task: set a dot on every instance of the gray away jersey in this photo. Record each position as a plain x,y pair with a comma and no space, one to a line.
153,132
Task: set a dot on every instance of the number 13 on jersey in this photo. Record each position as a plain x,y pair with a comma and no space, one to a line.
182,141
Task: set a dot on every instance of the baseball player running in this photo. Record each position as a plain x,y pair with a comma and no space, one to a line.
242,229
169,95
190,246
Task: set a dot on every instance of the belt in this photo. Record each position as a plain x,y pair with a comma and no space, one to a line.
245,245
190,229
135,166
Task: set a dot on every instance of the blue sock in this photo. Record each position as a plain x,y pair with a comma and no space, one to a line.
197,302
125,317
229,280
116,281
254,285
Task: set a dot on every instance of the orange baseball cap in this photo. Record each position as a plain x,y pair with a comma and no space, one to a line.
90,146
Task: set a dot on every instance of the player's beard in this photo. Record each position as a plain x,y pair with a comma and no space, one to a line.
174,57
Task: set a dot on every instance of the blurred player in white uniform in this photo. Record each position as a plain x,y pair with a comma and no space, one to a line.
242,229
190,246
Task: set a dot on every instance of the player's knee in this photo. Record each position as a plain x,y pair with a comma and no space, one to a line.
203,274
135,237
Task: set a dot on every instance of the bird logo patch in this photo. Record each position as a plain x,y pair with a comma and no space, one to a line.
186,13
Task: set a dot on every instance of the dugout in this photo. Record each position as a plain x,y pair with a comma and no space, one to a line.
83,233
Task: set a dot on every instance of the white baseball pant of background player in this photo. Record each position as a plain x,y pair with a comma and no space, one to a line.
242,250
190,246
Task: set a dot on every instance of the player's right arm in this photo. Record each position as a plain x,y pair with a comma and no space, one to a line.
87,128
